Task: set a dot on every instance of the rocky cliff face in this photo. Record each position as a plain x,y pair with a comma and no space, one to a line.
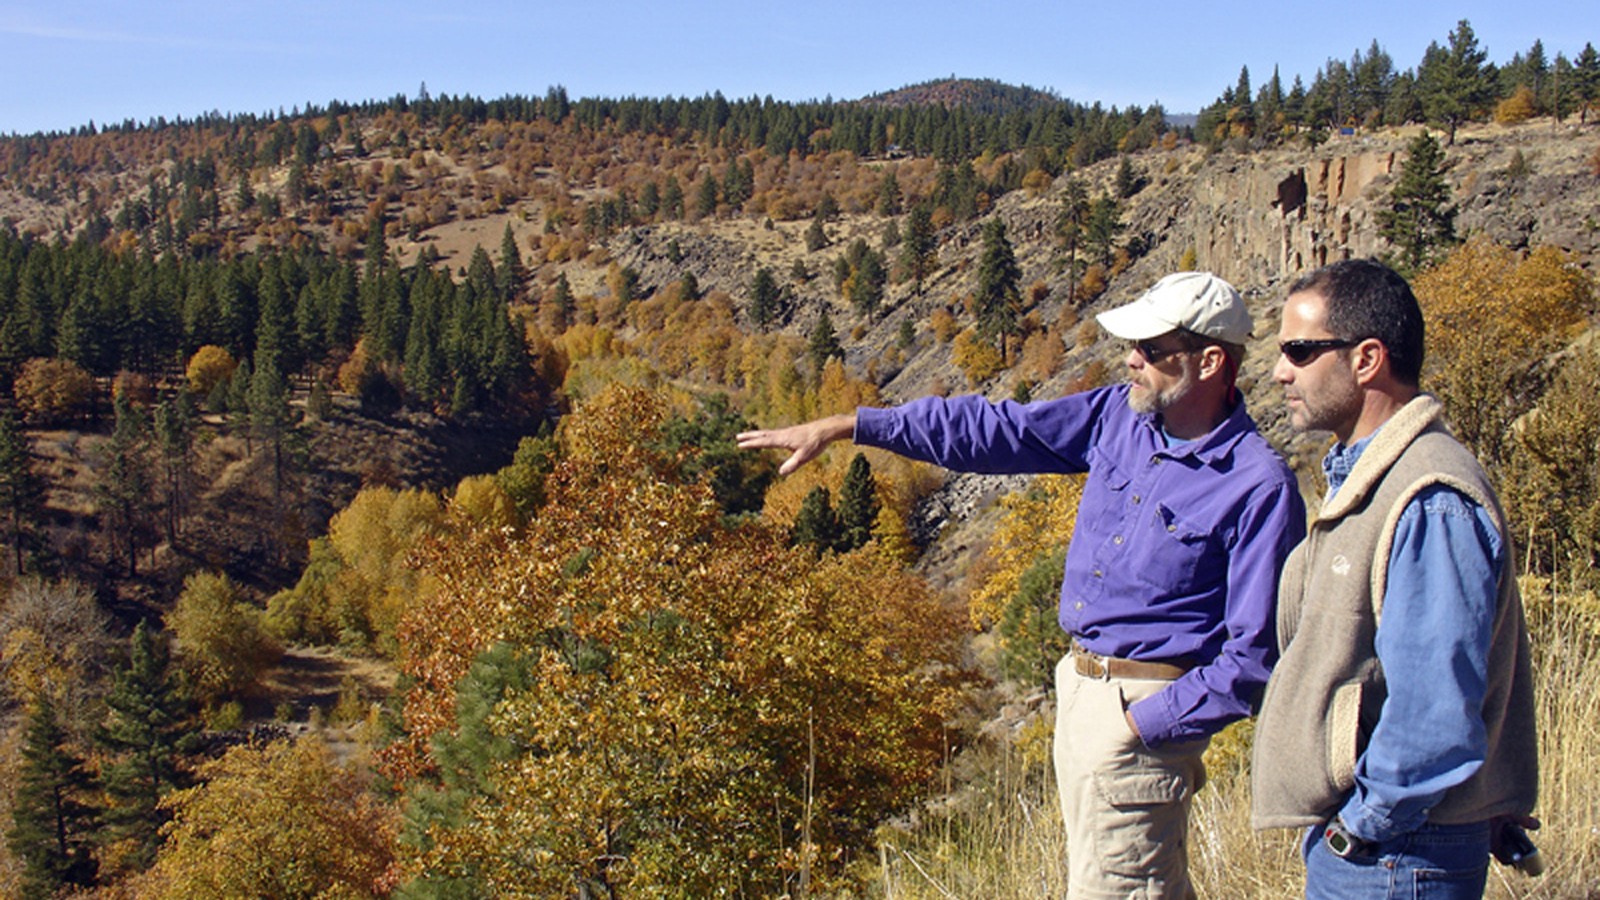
1264,218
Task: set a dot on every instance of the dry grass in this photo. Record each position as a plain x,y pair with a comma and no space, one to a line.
999,834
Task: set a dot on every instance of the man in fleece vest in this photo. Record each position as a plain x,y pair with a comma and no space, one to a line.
1186,518
1398,725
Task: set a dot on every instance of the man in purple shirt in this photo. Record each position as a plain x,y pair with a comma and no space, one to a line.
1186,518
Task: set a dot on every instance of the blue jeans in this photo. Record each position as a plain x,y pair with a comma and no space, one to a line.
1435,862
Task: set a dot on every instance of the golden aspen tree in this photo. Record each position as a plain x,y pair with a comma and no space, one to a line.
283,820
1491,315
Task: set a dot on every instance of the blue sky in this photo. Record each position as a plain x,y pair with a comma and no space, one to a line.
67,62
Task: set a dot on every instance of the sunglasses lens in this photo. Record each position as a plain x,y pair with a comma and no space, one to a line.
1301,352
1151,353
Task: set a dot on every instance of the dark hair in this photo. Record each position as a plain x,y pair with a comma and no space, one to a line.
1367,299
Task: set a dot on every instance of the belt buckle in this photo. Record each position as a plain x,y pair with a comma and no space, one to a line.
1101,668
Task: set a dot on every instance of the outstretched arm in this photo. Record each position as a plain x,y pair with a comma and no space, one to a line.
807,440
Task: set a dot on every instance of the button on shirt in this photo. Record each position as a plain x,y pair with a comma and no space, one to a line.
1176,551
1433,643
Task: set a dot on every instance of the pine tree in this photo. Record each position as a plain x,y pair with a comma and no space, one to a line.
918,245
1420,217
274,338
866,290
1128,182
763,298
124,488
827,207
858,505
998,298
1586,78
174,431
52,817
147,734
672,198
511,273
22,491
705,203
816,235
1452,82
689,287
889,195
1070,225
823,344
1372,79
1031,639
561,303
816,524
1269,106
271,420
1101,228
467,756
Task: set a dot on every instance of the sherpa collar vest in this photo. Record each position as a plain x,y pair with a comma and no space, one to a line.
1327,690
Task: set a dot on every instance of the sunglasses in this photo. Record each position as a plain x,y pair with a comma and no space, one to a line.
1301,352
1153,354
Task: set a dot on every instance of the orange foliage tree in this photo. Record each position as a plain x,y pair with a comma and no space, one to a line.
632,696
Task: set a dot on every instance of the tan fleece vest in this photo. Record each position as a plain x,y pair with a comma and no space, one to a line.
1328,688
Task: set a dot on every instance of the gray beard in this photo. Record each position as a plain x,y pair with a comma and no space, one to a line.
1145,400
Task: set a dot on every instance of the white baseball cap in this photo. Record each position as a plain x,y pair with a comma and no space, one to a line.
1194,301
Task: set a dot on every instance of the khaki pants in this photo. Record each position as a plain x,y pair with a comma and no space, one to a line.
1126,806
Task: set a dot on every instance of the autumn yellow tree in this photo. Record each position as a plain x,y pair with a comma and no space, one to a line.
1491,316
1021,576
284,820
222,645
208,367
1552,489
634,697
357,584
52,391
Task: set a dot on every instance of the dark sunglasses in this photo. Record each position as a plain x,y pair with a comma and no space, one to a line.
1153,354
1301,352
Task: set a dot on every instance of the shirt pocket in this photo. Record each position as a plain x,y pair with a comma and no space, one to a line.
1177,552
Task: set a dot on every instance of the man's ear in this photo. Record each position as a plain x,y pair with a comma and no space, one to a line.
1368,360
1213,361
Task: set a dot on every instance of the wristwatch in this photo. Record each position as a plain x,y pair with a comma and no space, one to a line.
1343,844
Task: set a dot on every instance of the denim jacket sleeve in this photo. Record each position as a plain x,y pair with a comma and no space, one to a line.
1433,643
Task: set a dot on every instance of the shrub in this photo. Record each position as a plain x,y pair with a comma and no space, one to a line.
976,357
1517,108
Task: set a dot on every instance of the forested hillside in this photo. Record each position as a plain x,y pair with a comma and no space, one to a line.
377,457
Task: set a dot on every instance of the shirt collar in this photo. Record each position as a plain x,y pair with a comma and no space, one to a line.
1214,444
1341,460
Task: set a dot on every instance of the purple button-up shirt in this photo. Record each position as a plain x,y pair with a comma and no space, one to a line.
1176,551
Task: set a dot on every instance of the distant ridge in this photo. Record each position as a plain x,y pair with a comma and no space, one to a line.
983,95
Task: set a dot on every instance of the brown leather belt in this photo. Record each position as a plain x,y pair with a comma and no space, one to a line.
1093,665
